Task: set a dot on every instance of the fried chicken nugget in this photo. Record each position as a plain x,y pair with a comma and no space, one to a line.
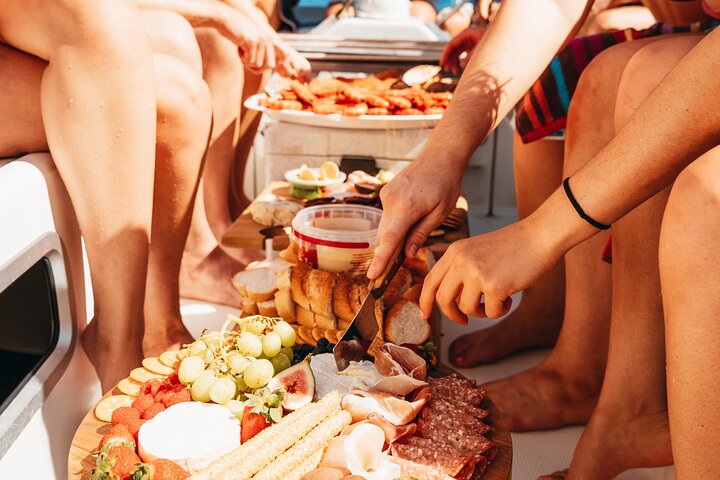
303,92
409,111
434,111
398,102
284,105
378,111
377,101
356,110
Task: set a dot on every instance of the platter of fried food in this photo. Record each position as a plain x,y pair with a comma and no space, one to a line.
373,102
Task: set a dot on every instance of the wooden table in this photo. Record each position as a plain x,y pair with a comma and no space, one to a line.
245,232
91,430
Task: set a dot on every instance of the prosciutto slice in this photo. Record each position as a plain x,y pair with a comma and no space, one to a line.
397,411
402,370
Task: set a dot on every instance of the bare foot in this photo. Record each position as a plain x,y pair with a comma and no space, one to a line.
619,439
519,331
562,474
208,279
552,395
112,360
163,334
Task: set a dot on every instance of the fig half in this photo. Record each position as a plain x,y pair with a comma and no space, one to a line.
299,385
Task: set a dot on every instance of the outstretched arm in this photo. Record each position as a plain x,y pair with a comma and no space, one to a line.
517,47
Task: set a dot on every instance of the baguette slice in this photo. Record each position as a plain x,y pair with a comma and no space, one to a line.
248,306
405,324
341,304
421,263
297,290
399,285
268,308
326,323
283,278
343,324
319,286
285,305
413,293
257,284
290,254
305,317
358,292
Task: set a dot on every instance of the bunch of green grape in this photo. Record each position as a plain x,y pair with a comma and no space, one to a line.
222,366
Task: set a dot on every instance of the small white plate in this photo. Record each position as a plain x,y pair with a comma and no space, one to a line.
292,177
363,122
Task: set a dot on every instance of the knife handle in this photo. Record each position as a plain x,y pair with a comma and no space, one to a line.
380,284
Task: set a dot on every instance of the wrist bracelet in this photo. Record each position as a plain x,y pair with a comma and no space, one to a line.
578,208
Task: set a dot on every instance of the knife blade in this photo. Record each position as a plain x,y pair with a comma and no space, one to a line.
364,327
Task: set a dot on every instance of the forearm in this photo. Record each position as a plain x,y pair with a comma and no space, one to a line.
517,47
678,122
248,8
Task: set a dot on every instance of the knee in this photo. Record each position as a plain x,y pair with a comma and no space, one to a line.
183,103
219,54
171,34
698,186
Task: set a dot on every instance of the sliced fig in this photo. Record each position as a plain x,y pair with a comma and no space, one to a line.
299,385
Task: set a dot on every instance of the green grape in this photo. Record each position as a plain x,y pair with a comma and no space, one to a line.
280,362
237,364
200,389
287,351
198,348
190,369
236,407
240,384
222,390
249,344
258,373
286,332
255,326
271,344
208,356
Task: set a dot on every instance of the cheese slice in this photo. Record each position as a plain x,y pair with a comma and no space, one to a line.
191,434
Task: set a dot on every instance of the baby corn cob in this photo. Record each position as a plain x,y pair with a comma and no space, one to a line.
308,465
316,440
250,457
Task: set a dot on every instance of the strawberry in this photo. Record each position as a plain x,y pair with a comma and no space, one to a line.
160,469
115,462
151,386
143,402
125,415
152,411
134,427
159,395
118,434
252,424
173,398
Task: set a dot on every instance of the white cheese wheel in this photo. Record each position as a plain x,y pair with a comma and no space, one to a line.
191,434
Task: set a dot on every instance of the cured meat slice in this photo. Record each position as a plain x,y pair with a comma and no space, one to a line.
471,443
481,461
444,460
454,420
459,396
438,404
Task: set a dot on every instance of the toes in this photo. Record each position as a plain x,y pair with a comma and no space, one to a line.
555,476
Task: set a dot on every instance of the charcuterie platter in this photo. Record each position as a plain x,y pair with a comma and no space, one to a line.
411,432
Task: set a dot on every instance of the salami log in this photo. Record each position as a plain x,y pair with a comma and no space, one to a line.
446,461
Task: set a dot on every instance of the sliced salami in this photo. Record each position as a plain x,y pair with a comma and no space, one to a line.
481,461
469,443
445,461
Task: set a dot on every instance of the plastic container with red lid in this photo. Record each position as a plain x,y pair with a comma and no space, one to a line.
337,238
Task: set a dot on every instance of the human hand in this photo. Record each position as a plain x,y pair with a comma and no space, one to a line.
256,45
290,63
416,201
494,265
464,42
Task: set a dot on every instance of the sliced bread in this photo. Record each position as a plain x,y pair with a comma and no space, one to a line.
268,308
319,286
257,284
398,286
341,304
305,317
405,324
285,305
421,263
297,290
413,293
248,307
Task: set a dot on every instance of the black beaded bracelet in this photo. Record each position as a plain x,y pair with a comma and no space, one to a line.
578,208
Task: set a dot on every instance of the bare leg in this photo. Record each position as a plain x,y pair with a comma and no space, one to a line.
632,408
99,120
207,267
690,282
184,116
563,389
537,321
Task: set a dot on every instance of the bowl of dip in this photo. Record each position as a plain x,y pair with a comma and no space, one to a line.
337,238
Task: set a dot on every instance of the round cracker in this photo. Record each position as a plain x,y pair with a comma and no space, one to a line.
169,358
318,333
105,407
305,333
340,334
331,335
155,366
142,375
128,386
